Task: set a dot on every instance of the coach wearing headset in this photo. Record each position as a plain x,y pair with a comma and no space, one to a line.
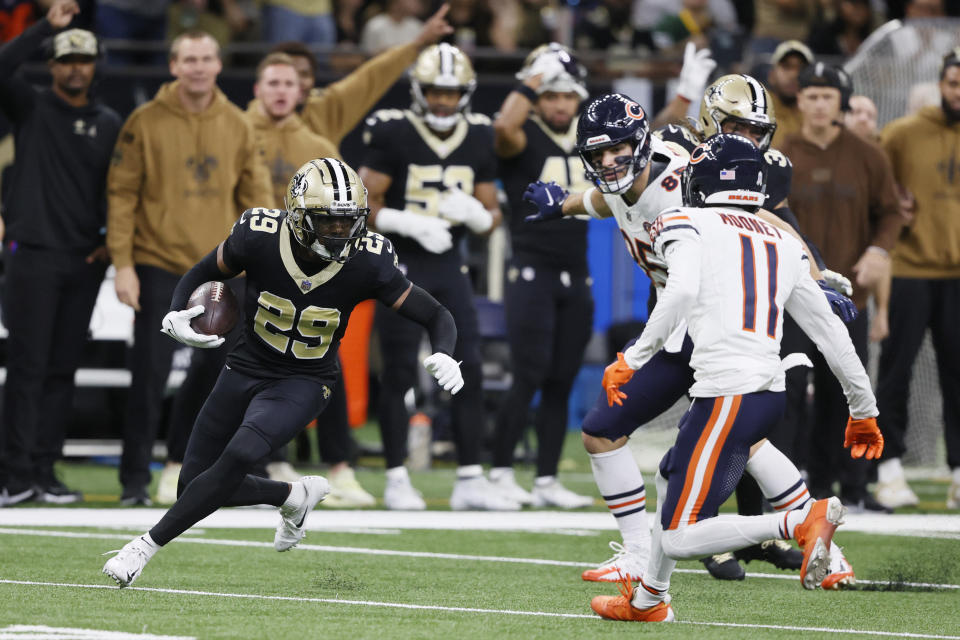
54,211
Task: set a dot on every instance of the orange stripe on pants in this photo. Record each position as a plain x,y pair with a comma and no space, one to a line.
714,457
692,467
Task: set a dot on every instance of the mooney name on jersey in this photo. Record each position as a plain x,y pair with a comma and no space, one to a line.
749,274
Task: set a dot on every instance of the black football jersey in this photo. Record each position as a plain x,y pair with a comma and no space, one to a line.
293,321
548,156
779,167
422,166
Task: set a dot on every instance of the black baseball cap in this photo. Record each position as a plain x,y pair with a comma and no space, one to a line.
952,59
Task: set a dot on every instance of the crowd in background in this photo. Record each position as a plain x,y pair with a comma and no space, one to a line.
734,29
256,175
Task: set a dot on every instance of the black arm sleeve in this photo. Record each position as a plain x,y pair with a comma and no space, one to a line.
204,271
423,308
785,214
16,95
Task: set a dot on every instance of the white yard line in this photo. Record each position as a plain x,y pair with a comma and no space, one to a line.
509,612
411,554
943,526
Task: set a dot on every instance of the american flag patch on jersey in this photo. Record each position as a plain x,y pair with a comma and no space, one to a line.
728,174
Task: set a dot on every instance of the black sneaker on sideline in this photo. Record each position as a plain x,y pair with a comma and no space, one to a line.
55,492
724,566
135,498
779,553
12,495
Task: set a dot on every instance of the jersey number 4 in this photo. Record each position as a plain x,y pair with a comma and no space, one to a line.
311,322
749,270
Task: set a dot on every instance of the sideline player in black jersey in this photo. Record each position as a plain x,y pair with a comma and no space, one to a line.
307,267
740,104
548,303
430,171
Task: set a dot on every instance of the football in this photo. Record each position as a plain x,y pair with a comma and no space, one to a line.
220,309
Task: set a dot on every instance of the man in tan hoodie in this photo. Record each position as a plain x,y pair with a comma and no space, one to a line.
333,111
924,149
185,165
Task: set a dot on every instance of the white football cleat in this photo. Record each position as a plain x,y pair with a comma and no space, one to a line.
896,493
627,563
502,479
128,564
167,486
840,573
557,495
345,491
291,529
282,472
953,495
477,493
399,495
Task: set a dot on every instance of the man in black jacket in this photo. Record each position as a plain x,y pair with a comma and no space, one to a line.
55,214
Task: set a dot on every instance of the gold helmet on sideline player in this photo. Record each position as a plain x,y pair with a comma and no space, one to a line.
441,66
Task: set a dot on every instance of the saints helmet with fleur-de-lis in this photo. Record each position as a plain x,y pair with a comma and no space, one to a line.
739,97
327,208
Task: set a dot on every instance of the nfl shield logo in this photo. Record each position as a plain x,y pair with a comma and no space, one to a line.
728,174
305,285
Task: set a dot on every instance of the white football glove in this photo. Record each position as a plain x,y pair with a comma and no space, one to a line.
433,234
697,66
837,282
176,324
446,370
457,206
547,65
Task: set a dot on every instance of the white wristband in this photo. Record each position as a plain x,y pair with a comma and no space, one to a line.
588,203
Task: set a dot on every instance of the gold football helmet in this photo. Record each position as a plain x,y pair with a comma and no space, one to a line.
327,209
742,98
574,80
445,67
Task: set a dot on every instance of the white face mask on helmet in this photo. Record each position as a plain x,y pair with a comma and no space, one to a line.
327,209
441,66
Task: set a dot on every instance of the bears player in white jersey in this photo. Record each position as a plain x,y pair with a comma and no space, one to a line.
637,177
731,278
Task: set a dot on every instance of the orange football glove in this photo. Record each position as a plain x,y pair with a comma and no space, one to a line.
615,376
863,437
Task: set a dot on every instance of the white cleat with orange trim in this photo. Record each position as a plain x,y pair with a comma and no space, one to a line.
628,562
840,573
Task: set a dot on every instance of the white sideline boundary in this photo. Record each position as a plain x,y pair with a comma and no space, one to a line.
506,612
927,526
412,554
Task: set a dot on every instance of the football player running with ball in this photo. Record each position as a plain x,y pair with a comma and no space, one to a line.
732,276
637,177
306,268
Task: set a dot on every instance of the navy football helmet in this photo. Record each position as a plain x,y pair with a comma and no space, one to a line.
607,122
725,169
